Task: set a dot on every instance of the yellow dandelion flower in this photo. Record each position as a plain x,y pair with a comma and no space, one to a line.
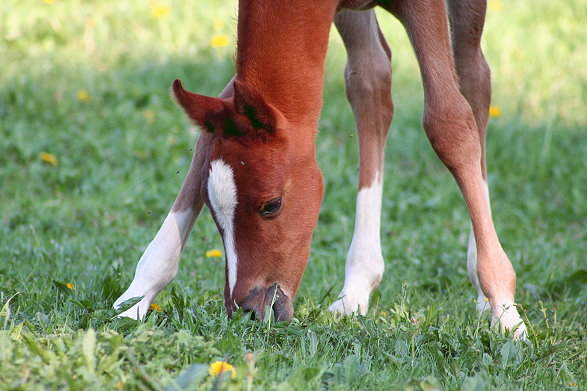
70,286
83,95
149,115
48,1
218,367
494,5
219,41
155,307
49,158
160,10
119,385
214,253
494,111
218,24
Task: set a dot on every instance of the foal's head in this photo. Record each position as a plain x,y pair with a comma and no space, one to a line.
263,186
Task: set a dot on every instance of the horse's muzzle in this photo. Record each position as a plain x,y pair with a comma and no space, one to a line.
270,299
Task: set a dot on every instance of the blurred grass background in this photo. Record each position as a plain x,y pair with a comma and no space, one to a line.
87,82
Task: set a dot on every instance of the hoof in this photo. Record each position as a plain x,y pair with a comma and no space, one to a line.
349,304
509,320
137,311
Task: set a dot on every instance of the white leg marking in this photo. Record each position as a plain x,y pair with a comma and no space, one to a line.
482,304
158,265
364,264
223,199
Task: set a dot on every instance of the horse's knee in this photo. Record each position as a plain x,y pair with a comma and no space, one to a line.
368,89
368,79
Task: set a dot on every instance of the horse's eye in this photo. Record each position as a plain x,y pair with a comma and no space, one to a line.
272,207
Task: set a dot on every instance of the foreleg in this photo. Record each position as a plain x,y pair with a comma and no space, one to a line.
159,263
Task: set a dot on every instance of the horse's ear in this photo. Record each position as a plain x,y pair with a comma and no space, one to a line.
250,103
200,109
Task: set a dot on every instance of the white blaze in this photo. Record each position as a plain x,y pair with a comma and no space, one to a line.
222,195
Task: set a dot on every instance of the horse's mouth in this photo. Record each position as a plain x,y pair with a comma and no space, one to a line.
264,301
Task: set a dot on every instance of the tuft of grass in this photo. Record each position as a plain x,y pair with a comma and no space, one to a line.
87,83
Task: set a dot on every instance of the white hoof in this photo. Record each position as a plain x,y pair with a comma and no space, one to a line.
509,319
137,311
351,302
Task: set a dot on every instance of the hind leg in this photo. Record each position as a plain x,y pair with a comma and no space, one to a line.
467,18
451,127
368,87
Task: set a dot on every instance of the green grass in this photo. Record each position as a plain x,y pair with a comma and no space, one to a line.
122,156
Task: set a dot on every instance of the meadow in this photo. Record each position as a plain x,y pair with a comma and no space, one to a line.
93,152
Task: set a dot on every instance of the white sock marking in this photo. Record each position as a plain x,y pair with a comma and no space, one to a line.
364,265
223,199
158,265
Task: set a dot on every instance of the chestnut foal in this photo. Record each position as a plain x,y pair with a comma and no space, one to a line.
255,166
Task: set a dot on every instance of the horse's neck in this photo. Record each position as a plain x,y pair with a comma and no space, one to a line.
281,51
